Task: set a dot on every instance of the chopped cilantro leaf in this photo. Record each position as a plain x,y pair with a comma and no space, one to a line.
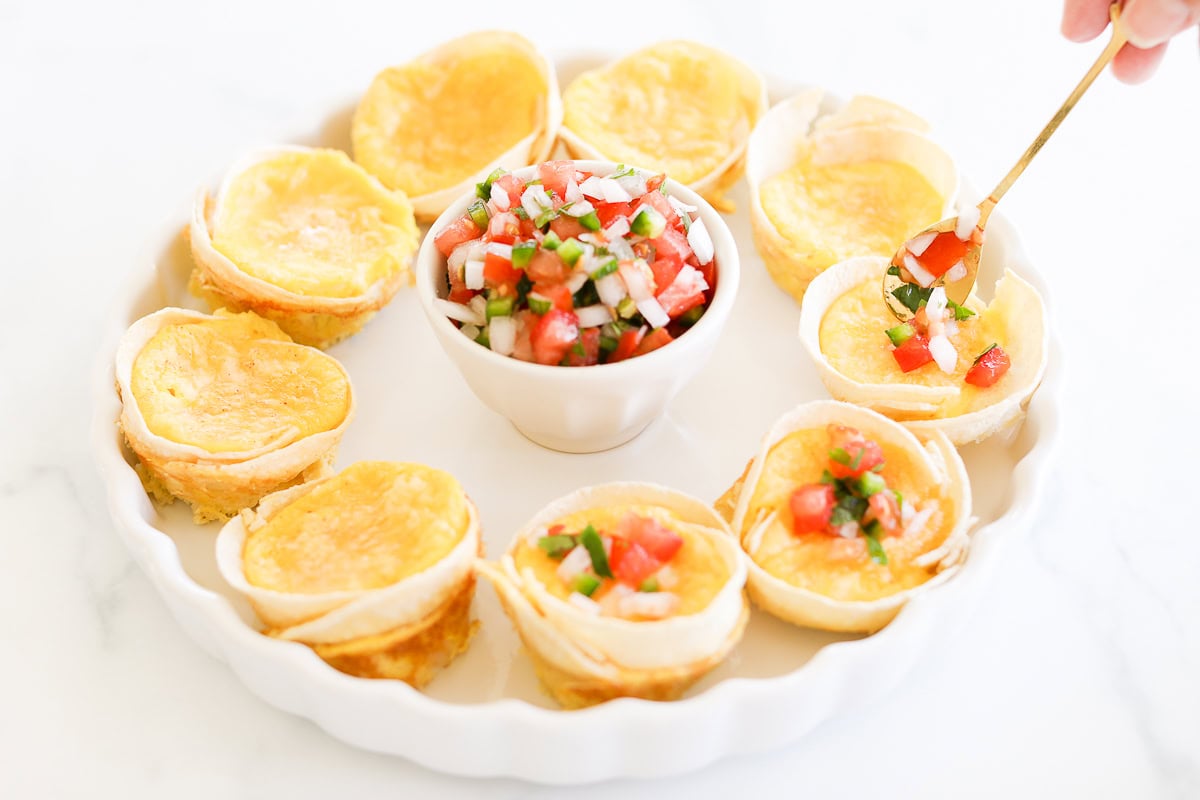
911,296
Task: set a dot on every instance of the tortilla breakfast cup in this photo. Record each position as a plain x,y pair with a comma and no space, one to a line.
838,578
651,642
371,568
843,324
436,126
711,100
824,188
223,409
304,237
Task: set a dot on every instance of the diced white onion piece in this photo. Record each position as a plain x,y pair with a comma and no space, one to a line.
610,604
579,209
943,353
968,218
610,289
907,512
848,531
469,331
478,304
574,563
652,605
500,198
617,228
635,283
499,249
680,206
700,241
919,519
653,312
473,274
502,335
535,200
572,193
919,244
634,185
594,239
923,276
576,281
618,246
459,312
463,253
951,328
935,308
957,272
606,190
667,577
584,603
592,316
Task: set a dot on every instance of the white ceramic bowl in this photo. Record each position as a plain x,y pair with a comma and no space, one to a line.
582,409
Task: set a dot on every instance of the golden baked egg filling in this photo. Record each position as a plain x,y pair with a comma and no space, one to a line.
371,526
313,223
236,383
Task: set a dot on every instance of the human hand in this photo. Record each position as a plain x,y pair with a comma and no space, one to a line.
1149,24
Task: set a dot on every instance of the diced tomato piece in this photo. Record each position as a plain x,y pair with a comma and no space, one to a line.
525,228
659,541
665,270
811,506
882,506
504,227
523,347
498,270
513,187
558,294
685,292
920,322
630,562
943,253
709,273
652,184
988,368
461,294
567,226
555,174
653,340
461,230
628,343
864,454
589,342
659,202
546,267
672,245
607,212
913,354
553,336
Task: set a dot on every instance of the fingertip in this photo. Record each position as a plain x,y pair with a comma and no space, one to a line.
1134,65
1084,20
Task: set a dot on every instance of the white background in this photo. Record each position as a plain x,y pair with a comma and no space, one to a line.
1079,675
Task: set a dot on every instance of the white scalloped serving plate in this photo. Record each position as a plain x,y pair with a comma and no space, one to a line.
485,716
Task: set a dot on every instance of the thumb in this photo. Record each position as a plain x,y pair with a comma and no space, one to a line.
1151,22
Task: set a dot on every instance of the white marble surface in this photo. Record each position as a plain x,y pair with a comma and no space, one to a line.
1078,675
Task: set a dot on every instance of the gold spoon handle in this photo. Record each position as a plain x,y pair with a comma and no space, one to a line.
1114,44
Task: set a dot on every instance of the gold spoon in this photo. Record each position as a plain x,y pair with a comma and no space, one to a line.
958,290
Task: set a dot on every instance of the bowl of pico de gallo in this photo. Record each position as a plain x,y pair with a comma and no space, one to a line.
578,297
